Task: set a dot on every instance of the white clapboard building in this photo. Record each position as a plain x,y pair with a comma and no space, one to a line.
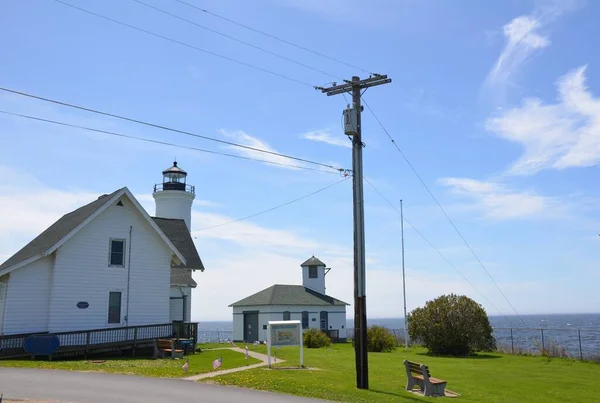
307,302
106,264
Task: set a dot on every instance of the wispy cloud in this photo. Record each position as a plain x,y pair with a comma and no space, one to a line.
244,138
325,136
558,136
497,202
524,37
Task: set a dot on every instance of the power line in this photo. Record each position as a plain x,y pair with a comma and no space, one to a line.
236,39
273,208
162,142
444,211
184,44
170,129
436,249
274,37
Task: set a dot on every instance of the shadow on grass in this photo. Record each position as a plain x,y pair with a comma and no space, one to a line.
406,395
482,356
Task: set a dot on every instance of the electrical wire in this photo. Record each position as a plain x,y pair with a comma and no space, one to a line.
273,37
170,129
436,249
127,136
272,208
236,39
443,211
184,44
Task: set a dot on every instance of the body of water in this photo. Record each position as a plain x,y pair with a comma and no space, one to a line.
574,335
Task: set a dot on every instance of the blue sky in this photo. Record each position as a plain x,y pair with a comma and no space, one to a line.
494,103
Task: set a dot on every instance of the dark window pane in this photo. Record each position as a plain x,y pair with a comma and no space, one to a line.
286,315
117,246
312,272
114,307
305,320
117,253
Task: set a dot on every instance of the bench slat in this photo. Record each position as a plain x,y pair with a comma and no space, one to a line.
437,381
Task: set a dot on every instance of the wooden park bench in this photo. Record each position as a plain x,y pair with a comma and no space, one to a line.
162,347
418,374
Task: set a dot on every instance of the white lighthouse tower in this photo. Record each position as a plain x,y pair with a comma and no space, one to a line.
174,197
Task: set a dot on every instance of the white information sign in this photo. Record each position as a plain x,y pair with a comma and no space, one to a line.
285,333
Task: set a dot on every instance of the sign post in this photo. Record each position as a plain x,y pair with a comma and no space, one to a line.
285,333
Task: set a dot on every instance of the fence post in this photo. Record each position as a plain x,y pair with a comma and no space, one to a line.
87,344
512,342
135,330
580,351
543,346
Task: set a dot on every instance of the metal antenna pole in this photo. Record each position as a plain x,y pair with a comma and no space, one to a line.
403,277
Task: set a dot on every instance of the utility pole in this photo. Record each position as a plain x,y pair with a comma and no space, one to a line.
353,127
403,277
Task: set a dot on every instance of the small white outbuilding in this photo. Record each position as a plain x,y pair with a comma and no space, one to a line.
307,302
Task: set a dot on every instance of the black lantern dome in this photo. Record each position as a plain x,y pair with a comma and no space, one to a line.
174,178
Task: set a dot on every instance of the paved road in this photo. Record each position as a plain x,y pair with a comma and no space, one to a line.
86,387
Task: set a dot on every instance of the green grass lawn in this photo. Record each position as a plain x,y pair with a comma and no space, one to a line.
164,368
484,378
217,345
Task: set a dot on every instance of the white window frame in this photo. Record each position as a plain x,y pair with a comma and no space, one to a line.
316,271
110,241
120,312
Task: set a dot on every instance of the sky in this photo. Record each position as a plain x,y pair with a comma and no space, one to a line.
496,105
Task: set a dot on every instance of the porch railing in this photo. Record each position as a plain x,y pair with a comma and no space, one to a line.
94,340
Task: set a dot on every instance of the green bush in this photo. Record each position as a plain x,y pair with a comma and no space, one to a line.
316,338
380,339
452,325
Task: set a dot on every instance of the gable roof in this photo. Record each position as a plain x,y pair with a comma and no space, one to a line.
313,261
182,278
177,231
69,224
57,231
179,234
280,294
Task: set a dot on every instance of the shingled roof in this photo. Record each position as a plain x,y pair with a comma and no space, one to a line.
313,261
280,294
57,231
179,234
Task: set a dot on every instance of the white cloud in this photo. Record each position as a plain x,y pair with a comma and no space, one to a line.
27,208
497,202
560,135
523,39
325,136
239,136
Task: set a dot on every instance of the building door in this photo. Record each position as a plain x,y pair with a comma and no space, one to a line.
250,326
3,292
324,321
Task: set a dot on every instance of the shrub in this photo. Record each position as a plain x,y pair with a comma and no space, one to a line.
315,338
380,339
452,325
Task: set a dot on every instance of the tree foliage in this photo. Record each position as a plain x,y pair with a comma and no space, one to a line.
316,338
452,325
